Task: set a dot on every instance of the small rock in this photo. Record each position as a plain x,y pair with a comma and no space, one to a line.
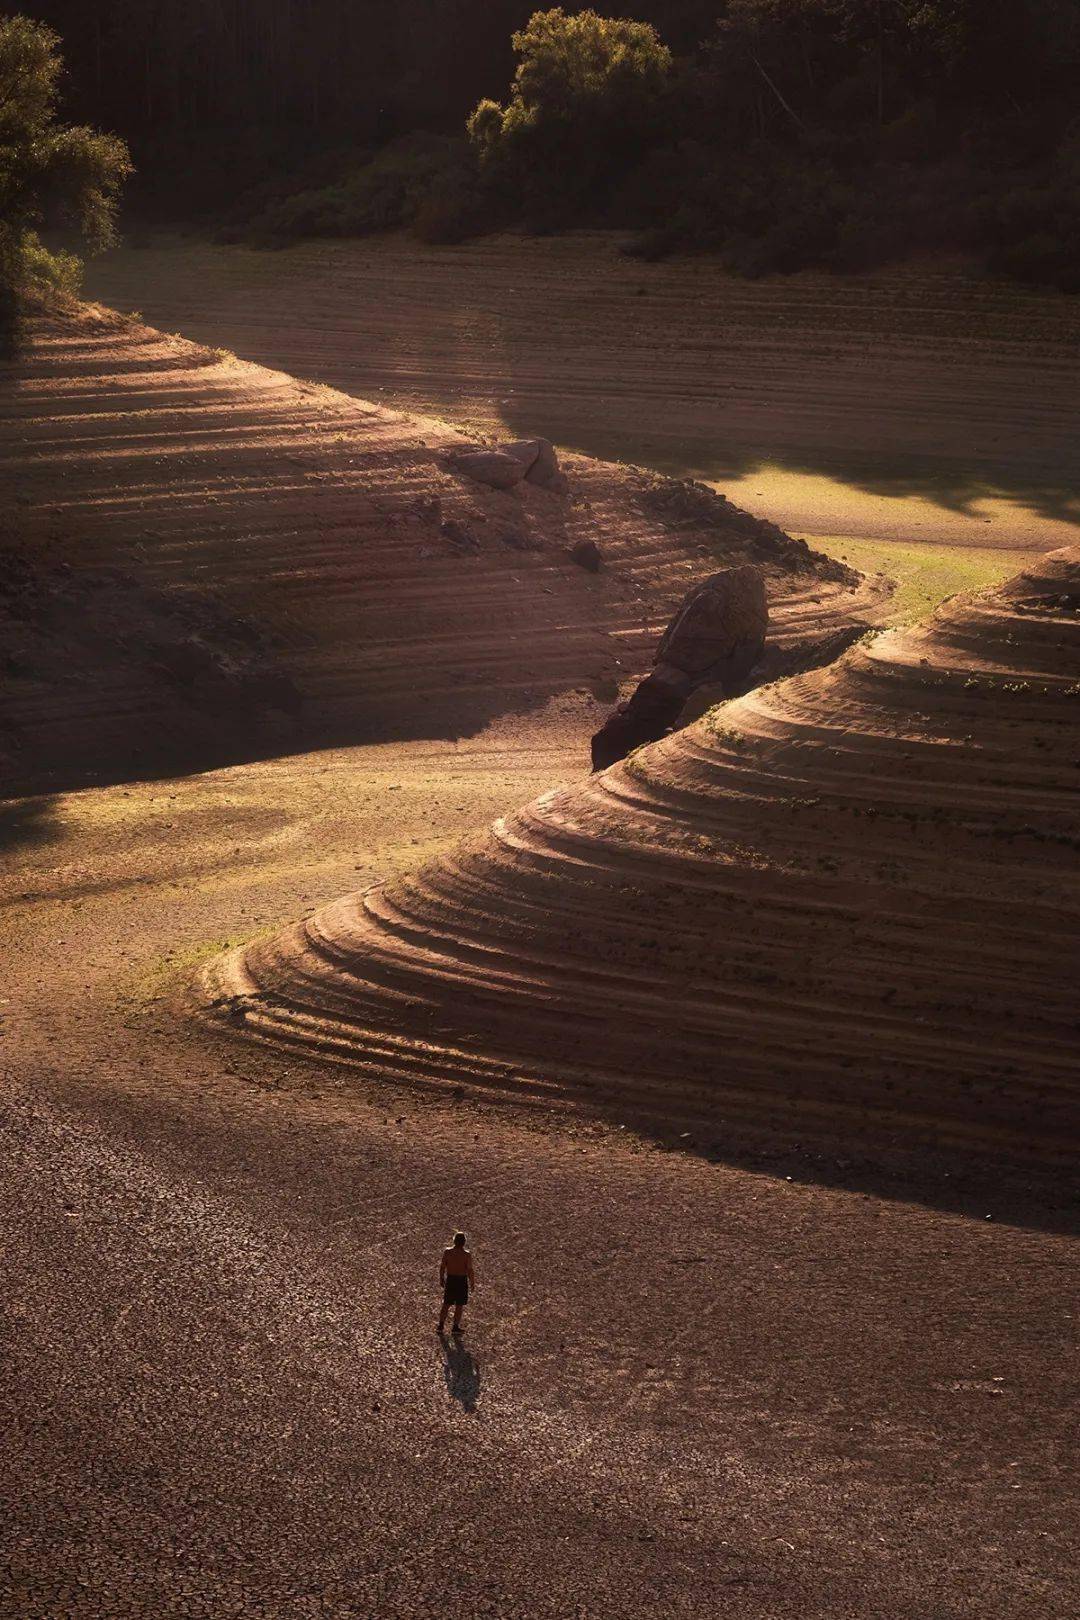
587,555
527,451
458,535
545,469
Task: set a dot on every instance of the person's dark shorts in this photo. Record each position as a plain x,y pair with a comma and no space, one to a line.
456,1291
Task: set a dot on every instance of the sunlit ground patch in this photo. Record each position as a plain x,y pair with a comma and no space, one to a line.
930,547
925,574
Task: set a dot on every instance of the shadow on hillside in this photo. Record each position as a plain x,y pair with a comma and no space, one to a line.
892,1160
962,1182
26,823
179,740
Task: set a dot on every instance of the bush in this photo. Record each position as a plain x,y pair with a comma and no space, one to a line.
456,205
803,133
762,210
1039,258
386,192
1031,231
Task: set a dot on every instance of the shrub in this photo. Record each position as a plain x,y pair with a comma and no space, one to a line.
1041,258
763,210
455,205
385,192
1031,232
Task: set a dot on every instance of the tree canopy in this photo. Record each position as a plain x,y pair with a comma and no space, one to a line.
48,170
585,102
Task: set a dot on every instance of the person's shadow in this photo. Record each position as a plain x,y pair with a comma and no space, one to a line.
462,1373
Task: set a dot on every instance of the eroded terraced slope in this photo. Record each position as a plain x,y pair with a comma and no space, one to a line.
846,901
202,560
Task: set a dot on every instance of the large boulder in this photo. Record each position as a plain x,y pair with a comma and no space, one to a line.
648,715
716,636
726,612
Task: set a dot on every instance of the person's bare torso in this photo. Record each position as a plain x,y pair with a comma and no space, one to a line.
456,1262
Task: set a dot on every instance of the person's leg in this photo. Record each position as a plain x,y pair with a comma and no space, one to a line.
457,1318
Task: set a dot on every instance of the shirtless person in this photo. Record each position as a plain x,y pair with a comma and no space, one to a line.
456,1276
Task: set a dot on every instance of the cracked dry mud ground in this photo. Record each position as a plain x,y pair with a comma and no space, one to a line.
704,1388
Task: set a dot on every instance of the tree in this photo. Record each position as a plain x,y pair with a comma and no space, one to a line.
48,170
585,103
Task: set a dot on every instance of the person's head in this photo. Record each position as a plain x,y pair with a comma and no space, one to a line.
459,1240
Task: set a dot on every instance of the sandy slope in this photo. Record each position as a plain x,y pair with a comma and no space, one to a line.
206,560
848,902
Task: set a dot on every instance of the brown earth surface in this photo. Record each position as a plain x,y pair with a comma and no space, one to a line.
764,1375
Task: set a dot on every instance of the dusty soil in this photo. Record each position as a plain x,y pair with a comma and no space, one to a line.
763,1376
917,405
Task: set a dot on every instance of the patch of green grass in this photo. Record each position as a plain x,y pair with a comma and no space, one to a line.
925,574
163,971
727,736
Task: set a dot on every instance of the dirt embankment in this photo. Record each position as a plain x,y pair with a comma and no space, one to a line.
207,561
915,405
846,903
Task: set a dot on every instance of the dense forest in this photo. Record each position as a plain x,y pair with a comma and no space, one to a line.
777,133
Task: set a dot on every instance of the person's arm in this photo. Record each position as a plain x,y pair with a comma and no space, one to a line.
469,1272
442,1269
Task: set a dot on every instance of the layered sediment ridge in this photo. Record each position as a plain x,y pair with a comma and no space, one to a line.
202,560
848,900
